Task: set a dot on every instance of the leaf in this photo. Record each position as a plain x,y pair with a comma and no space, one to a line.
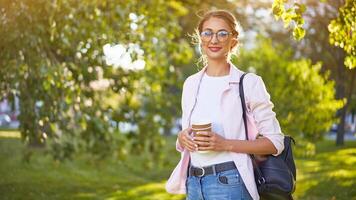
350,61
298,33
300,8
277,9
287,18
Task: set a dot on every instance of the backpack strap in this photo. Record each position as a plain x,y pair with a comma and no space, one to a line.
261,180
243,103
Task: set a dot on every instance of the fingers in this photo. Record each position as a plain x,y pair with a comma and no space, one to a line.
211,143
208,148
187,141
205,133
204,136
202,143
189,130
202,139
191,146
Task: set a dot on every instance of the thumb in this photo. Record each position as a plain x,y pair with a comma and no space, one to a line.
189,129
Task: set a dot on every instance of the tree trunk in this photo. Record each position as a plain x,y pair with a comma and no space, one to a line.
343,111
341,127
29,128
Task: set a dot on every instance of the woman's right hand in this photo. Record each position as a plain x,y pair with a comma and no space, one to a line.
186,140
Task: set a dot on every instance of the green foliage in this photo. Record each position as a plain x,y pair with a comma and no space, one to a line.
304,99
342,32
341,29
54,55
291,15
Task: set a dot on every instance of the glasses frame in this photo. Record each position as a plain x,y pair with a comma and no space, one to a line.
216,35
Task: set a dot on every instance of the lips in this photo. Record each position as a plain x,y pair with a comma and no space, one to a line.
215,49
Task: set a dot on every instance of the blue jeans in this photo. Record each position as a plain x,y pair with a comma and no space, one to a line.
227,185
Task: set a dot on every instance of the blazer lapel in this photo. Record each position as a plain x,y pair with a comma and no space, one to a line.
196,85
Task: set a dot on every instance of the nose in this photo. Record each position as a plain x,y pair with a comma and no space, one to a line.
214,39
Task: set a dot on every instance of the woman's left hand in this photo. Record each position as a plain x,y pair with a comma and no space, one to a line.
210,141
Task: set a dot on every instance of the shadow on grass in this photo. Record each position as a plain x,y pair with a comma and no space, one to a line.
331,174
43,178
148,191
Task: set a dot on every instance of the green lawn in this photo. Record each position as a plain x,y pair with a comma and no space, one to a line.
330,175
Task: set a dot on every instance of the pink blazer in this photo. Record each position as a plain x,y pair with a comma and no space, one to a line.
261,119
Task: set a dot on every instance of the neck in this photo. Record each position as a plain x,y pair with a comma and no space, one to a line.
218,68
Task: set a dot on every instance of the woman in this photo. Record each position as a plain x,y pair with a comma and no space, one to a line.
225,171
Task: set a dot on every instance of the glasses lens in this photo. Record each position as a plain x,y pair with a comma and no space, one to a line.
222,35
206,35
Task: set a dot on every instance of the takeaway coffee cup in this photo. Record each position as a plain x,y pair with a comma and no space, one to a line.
202,125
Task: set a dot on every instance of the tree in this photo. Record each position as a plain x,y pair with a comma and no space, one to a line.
69,96
304,98
340,34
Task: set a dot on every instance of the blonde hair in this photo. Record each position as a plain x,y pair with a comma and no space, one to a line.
229,18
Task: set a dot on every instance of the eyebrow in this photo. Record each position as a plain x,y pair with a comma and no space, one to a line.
209,29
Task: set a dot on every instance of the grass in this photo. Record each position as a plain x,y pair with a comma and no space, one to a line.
331,174
82,178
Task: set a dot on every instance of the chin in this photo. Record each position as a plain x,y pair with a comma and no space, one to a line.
216,56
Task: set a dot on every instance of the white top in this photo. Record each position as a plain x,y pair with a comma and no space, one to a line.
208,108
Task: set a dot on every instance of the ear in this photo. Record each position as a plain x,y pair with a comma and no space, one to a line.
235,41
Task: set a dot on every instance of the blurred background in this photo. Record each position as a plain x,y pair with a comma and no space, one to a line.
90,91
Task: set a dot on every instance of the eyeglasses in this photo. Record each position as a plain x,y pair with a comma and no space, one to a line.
221,36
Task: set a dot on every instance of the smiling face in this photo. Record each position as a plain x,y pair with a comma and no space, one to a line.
222,39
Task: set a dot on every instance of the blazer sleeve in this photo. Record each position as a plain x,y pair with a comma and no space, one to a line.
184,115
259,103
